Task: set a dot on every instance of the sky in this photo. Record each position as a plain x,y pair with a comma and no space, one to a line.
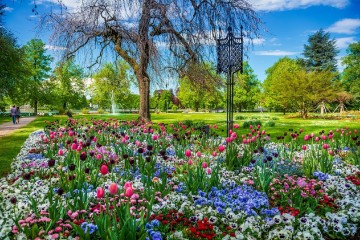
287,26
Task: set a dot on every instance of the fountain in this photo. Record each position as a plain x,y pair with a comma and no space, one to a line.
113,104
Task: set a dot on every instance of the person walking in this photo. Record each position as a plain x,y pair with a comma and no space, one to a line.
13,114
18,113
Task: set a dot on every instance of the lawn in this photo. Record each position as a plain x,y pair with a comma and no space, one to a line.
10,145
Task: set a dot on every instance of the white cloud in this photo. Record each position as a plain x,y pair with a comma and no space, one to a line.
274,53
344,42
278,5
54,48
67,3
8,9
346,26
258,41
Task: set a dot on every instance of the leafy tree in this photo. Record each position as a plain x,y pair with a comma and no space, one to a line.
351,73
39,64
111,80
162,99
320,52
13,70
246,89
201,88
272,84
290,85
68,85
137,29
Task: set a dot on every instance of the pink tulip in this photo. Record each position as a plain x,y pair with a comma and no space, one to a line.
214,154
306,137
100,192
326,146
198,154
73,146
188,153
61,152
94,139
127,185
317,139
236,126
204,165
71,133
129,192
154,137
228,140
323,137
98,156
331,152
208,170
104,169
221,148
113,188
303,147
251,126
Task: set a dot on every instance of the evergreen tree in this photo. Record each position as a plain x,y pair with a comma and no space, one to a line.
320,52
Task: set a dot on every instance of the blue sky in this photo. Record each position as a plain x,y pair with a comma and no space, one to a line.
288,24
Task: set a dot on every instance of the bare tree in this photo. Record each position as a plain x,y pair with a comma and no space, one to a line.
150,33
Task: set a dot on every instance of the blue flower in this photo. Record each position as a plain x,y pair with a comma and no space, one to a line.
155,223
88,227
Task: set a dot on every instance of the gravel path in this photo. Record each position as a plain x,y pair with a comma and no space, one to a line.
9,127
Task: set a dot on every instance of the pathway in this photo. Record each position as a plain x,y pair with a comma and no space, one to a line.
9,127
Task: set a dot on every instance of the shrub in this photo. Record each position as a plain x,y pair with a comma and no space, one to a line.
247,124
240,117
85,111
275,118
174,108
270,124
100,111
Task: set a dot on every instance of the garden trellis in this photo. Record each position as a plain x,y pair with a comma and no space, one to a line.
229,61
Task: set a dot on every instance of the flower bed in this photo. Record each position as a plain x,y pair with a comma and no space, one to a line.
126,180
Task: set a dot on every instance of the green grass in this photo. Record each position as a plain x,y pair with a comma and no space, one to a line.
10,145
5,119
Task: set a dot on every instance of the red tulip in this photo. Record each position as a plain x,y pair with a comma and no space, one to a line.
188,153
100,192
104,169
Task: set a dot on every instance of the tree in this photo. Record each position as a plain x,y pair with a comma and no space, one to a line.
111,80
39,63
290,85
13,70
162,99
273,90
320,52
143,32
246,89
351,73
201,88
68,85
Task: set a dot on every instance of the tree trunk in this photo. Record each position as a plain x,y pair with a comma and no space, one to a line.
322,108
284,111
64,106
35,107
144,90
341,108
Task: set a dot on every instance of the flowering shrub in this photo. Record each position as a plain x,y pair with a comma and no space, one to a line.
96,179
